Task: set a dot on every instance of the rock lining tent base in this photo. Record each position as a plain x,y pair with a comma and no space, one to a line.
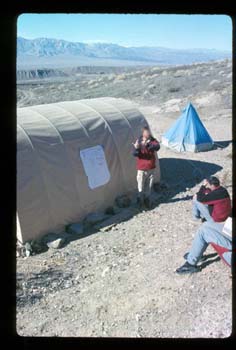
73,158
188,133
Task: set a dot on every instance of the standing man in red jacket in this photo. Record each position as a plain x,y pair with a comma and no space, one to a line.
145,149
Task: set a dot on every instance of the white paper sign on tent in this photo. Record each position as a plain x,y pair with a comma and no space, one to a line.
95,166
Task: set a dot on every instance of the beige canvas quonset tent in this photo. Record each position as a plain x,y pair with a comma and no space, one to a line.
73,158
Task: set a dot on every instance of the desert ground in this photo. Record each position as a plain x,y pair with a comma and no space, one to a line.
122,282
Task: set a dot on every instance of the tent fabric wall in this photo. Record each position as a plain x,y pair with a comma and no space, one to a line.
52,186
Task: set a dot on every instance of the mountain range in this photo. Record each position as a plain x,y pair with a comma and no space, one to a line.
46,52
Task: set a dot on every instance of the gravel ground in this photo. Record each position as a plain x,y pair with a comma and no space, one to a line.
122,283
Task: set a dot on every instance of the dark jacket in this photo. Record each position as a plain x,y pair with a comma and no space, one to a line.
218,201
146,154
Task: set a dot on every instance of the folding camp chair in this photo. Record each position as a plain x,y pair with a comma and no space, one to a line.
221,250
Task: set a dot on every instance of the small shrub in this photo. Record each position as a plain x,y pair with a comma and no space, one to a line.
174,89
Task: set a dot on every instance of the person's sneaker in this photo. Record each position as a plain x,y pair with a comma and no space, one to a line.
187,268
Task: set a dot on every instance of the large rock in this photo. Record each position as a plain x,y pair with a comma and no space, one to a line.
27,249
75,229
55,240
123,201
110,211
38,246
94,218
31,248
57,243
116,219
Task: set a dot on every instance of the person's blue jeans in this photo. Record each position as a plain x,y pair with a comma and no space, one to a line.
209,232
201,210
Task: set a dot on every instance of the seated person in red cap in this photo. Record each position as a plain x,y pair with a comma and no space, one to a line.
211,202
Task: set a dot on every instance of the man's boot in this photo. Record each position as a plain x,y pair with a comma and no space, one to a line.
140,201
147,202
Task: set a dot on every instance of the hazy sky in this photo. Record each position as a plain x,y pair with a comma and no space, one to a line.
173,31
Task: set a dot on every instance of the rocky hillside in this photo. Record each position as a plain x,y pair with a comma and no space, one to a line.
207,85
39,74
45,73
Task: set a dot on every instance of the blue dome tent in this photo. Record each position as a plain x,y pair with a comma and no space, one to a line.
188,133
